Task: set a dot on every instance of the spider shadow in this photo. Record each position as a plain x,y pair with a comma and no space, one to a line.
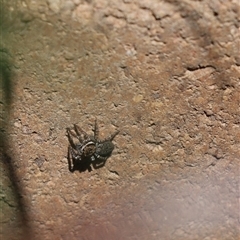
85,164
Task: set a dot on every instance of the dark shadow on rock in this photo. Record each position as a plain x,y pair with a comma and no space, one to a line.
6,158
84,164
6,102
20,205
6,86
6,77
81,166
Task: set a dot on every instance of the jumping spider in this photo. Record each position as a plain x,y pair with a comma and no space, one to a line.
89,149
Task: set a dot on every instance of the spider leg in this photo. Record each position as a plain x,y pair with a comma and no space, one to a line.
96,130
73,158
69,134
97,158
112,136
79,131
75,155
98,164
70,159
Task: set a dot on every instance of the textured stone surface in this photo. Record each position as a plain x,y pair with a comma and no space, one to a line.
166,74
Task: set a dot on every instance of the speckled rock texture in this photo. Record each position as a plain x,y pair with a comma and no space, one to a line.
166,74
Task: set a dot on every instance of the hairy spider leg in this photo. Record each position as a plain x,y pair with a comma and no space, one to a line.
100,157
75,155
69,133
96,130
79,131
97,164
112,136
70,159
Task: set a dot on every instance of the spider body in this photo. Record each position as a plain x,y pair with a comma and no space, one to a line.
89,149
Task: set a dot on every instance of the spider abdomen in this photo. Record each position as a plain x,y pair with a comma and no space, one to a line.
104,149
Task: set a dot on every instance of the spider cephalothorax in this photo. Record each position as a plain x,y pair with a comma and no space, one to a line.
89,149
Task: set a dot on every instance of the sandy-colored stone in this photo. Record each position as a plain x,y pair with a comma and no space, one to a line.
166,74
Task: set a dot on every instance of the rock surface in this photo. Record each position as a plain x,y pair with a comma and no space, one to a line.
166,74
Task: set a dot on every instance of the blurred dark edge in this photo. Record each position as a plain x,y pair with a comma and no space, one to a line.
7,166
